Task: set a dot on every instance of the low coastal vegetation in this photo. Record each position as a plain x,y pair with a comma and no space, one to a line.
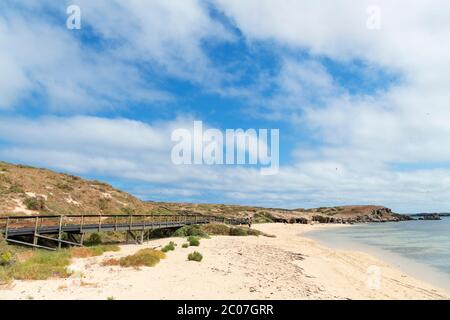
142,258
227,230
24,264
169,247
193,241
215,229
195,256
98,250
191,231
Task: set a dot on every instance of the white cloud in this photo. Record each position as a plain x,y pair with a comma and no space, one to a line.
137,40
139,152
359,135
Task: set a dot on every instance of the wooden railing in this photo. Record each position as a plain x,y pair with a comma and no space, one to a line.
40,227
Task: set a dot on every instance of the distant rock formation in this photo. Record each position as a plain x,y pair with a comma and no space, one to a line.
428,216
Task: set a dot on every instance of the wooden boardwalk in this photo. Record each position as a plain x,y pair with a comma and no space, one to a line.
70,230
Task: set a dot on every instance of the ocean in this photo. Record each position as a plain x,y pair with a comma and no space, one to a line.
420,248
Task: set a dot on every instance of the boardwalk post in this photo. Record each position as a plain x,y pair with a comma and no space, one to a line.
6,228
131,221
115,223
60,231
35,238
81,225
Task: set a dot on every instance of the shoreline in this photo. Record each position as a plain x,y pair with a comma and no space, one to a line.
413,268
290,266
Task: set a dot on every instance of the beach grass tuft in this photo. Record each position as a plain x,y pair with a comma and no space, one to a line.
169,247
192,230
193,241
142,258
41,265
195,256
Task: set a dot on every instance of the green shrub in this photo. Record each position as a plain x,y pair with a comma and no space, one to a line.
42,265
5,258
193,241
103,203
263,218
33,203
64,186
216,229
253,232
6,253
94,239
195,256
238,232
193,230
185,245
168,247
144,257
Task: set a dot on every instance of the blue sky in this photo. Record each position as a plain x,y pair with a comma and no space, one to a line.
362,112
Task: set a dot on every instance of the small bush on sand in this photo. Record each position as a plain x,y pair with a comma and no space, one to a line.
195,256
253,232
168,247
142,258
238,232
216,229
185,245
187,231
193,241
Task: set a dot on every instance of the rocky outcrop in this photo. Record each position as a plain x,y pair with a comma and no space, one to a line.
431,216
347,214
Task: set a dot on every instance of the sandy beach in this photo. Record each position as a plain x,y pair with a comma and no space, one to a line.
289,266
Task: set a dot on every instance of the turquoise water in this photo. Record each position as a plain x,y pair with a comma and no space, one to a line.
426,243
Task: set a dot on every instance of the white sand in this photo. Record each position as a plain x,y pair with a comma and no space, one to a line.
286,267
